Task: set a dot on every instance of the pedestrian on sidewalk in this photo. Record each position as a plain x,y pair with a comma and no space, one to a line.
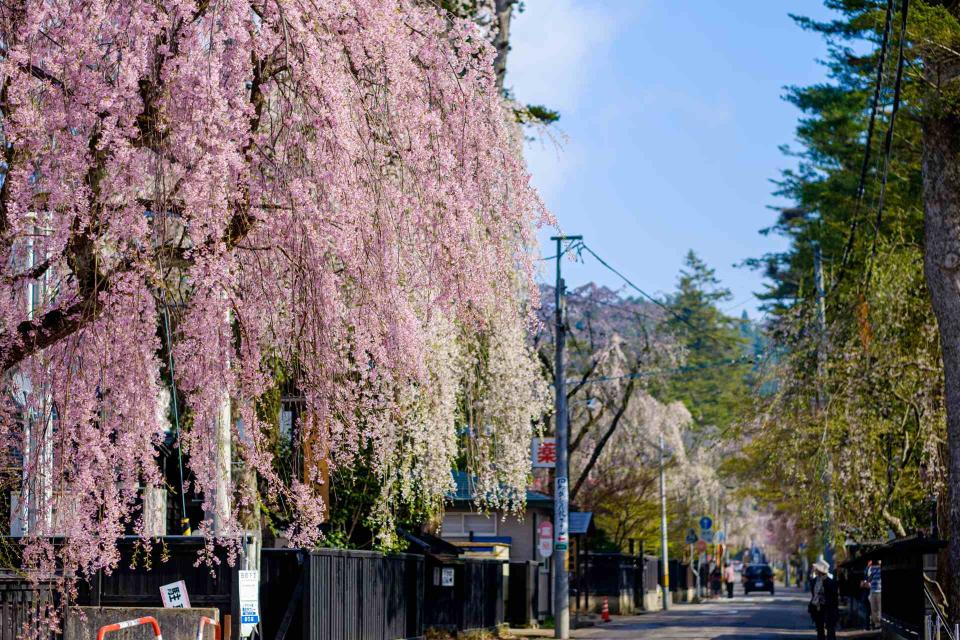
824,601
863,597
715,580
729,576
872,576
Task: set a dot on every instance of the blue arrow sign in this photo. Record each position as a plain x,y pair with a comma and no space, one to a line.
706,523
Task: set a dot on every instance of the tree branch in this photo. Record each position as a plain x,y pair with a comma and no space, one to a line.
627,394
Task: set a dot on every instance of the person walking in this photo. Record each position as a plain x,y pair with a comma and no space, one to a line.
824,601
728,577
863,596
715,579
872,576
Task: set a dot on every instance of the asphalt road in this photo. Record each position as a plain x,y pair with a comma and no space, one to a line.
757,616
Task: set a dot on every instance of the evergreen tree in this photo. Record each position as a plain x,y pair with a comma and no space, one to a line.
714,383
858,193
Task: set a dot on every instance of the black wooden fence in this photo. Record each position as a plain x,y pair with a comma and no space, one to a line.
304,595
22,604
619,576
340,595
137,579
363,595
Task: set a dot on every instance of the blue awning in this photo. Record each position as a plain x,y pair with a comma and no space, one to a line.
579,522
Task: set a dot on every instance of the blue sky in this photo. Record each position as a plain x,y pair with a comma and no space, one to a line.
671,118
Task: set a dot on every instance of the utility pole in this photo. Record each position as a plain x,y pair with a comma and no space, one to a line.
663,531
561,586
827,477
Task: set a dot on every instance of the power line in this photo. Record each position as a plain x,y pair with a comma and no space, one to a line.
675,370
871,127
573,246
698,331
888,142
184,518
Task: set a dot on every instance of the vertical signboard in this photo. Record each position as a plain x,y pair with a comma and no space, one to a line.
545,539
249,588
562,517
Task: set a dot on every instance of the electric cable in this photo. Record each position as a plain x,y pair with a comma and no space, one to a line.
659,303
674,370
184,520
871,127
888,142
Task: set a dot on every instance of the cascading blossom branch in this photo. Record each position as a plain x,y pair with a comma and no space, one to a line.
314,184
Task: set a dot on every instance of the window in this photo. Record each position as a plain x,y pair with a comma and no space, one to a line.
452,525
463,524
479,525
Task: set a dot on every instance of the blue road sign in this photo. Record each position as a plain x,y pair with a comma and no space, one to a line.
706,523
692,537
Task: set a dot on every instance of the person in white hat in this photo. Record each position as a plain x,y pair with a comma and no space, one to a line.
824,601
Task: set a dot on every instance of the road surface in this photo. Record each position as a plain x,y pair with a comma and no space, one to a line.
753,617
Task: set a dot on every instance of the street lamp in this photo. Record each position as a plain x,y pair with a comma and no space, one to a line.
663,529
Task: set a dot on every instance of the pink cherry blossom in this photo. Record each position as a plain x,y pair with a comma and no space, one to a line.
331,186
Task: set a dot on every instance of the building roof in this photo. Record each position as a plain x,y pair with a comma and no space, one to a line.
466,492
579,522
432,545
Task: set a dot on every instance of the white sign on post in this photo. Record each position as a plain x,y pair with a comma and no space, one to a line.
174,595
249,592
545,539
544,451
446,579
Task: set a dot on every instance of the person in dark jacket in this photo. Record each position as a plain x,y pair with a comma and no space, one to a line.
824,601
716,582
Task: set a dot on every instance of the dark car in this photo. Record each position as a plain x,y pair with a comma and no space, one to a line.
758,577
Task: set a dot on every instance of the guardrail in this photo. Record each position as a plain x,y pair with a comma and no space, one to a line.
217,630
126,624
935,625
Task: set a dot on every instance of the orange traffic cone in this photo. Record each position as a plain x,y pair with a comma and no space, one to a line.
605,612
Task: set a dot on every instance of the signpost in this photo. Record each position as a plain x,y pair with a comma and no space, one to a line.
692,537
545,539
249,593
706,523
544,453
174,595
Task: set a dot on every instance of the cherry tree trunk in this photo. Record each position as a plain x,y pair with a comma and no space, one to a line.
218,504
941,182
